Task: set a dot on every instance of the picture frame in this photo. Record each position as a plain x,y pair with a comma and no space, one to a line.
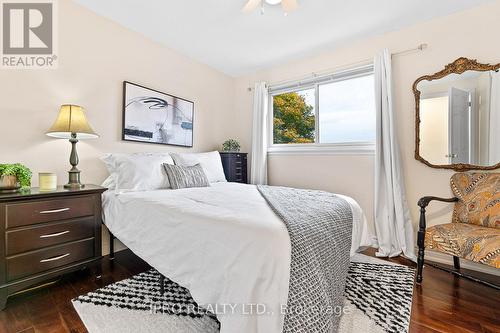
152,116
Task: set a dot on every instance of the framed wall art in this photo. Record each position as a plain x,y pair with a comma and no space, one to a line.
155,117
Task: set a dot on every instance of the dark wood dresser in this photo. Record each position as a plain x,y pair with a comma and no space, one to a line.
47,234
235,167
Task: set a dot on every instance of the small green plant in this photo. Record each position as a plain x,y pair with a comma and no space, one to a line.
231,145
22,173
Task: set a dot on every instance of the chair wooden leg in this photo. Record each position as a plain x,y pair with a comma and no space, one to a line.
456,262
421,245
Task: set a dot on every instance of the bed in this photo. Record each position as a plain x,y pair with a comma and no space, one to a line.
225,243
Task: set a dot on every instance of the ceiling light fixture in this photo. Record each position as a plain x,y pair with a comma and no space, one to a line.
287,5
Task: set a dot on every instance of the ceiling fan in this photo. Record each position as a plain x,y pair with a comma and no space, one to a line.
287,5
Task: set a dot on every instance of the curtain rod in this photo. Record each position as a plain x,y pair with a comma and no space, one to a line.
367,61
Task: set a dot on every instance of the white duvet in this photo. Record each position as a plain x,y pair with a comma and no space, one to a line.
224,243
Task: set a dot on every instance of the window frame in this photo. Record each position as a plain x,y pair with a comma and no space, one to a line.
342,148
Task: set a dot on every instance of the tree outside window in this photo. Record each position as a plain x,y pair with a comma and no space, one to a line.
294,117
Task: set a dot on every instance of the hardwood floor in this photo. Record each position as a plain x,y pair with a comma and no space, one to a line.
447,303
443,303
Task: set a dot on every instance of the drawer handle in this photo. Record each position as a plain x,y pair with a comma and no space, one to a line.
55,234
55,258
54,211
238,162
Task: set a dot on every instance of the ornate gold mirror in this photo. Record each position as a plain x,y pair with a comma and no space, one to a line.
458,117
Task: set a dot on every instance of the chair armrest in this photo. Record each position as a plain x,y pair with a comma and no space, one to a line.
424,201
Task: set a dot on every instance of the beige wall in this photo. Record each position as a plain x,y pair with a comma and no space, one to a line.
434,129
95,56
463,34
483,118
350,175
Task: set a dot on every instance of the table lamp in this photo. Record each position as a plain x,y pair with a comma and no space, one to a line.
72,124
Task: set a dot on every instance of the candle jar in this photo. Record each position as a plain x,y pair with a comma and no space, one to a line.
47,181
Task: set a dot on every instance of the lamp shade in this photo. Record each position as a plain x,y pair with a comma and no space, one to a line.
71,119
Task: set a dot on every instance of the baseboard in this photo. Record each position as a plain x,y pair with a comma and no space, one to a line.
467,264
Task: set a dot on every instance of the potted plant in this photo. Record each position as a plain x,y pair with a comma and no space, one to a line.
231,145
13,177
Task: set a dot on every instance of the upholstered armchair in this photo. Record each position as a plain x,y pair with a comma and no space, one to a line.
474,232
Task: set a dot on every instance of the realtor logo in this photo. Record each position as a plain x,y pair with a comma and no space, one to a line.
28,34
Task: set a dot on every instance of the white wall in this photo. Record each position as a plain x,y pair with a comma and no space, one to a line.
95,56
465,34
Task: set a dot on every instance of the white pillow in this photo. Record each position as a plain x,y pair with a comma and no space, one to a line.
210,162
139,171
109,183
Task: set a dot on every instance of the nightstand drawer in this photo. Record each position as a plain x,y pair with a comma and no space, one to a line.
33,212
48,235
43,260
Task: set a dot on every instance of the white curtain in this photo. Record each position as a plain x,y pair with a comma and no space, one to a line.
258,170
393,224
494,136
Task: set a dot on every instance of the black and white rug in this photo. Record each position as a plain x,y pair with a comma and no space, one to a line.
378,298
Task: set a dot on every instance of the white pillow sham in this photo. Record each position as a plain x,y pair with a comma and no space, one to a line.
210,162
109,183
138,171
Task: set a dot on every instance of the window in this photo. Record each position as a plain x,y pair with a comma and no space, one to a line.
294,118
335,110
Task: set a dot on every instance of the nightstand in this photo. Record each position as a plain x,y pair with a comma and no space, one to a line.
47,234
235,166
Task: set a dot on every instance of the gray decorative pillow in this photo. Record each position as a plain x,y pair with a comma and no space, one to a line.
186,176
